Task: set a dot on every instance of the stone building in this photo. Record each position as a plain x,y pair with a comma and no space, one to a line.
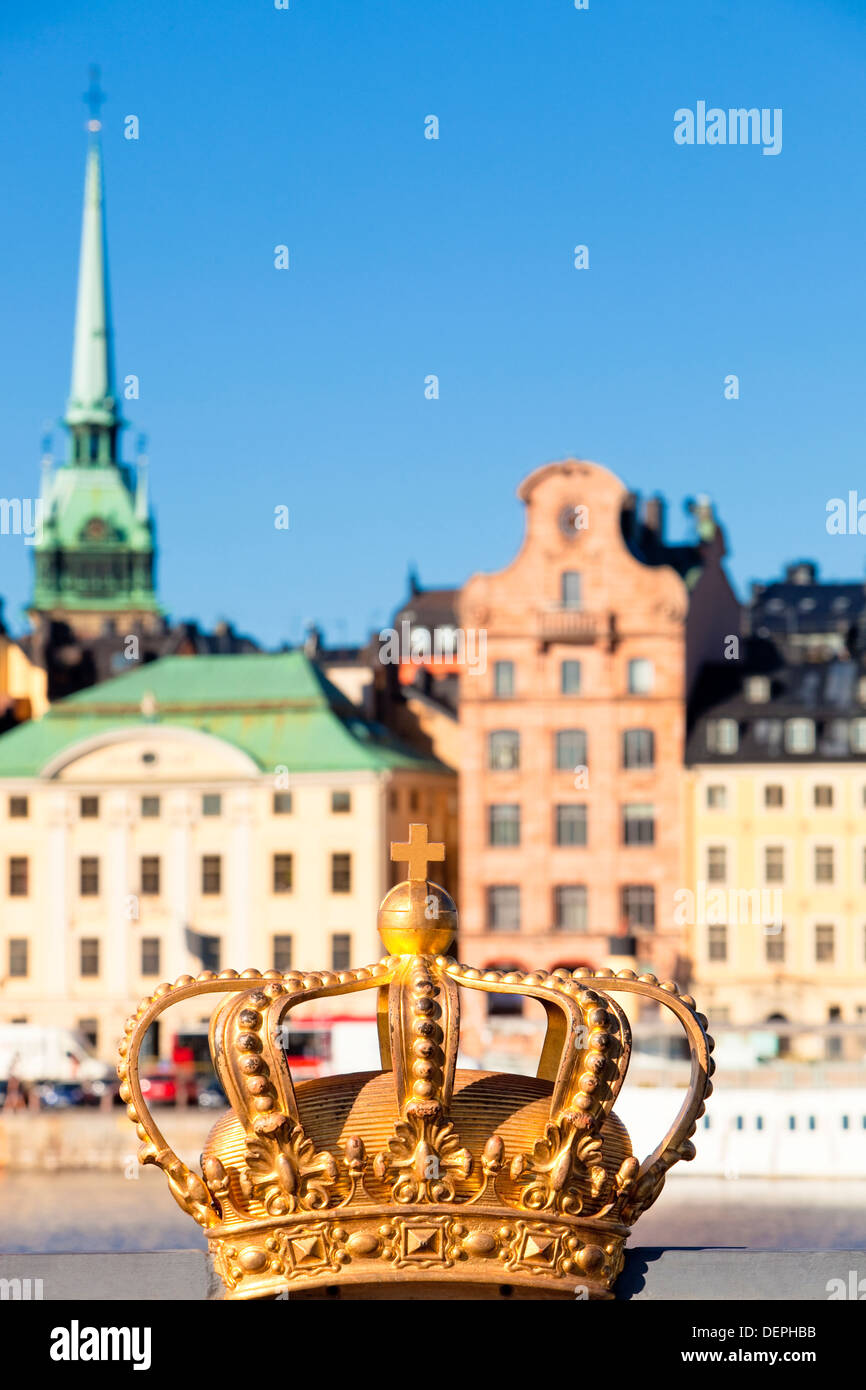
224,811
571,791
777,833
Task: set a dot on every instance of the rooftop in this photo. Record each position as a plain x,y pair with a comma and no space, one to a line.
279,709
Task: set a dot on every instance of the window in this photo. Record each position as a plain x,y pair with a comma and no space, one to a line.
18,876
341,873
503,679
641,676
774,864
282,803
569,905
570,749
825,942
282,877
570,589
504,1005
211,873
283,953
19,965
638,823
768,735
723,736
503,907
569,677
503,825
823,863
717,943
800,735
638,748
149,806
89,807
834,739
757,689
211,953
858,735
150,874
89,1030
639,905
717,798
571,825
341,951
89,956
341,802
717,864
775,947
19,807
823,796
150,955
211,804
774,796
88,876
503,750
413,800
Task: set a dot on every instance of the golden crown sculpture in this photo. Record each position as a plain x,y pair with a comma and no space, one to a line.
420,1180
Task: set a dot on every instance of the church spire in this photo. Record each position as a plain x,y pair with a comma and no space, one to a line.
96,555
91,398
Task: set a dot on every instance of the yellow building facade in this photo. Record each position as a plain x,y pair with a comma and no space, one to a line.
775,900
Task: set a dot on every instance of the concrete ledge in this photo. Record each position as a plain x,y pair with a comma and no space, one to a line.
128,1276
737,1275
714,1275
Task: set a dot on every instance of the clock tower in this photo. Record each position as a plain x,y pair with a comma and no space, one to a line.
94,551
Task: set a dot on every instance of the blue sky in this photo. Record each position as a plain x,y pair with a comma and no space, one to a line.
305,387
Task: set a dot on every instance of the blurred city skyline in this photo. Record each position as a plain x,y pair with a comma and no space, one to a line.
412,257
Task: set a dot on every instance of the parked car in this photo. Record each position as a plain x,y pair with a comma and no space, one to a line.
211,1095
159,1087
59,1095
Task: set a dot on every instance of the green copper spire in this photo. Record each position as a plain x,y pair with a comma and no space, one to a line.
91,398
95,557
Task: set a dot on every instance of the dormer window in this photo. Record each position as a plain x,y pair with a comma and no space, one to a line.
800,735
723,736
757,689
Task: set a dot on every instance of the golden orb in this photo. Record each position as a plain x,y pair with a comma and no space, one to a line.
417,918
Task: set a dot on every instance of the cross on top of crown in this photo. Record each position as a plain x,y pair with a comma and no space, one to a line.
418,852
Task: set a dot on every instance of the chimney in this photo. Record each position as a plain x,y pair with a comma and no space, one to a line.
654,516
803,572
628,516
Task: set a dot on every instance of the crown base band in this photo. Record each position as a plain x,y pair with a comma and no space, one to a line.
466,1249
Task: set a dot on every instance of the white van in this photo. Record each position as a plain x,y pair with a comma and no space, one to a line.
32,1052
